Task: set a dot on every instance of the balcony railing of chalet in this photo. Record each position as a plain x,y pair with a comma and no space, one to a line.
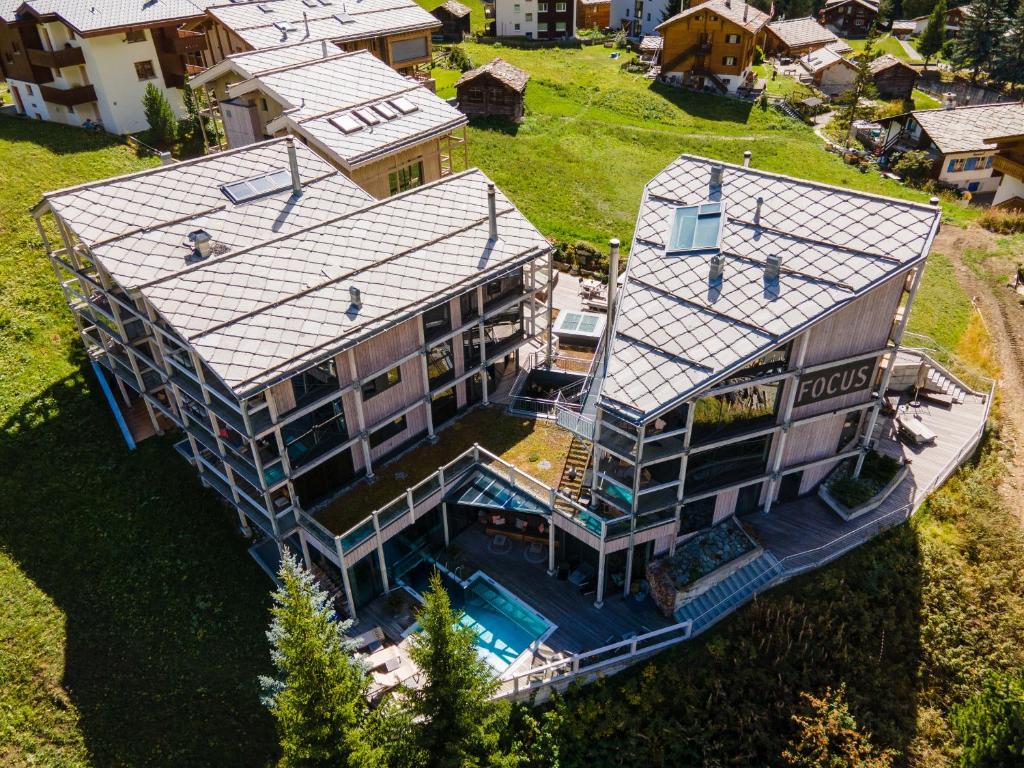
1010,167
68,97
62,57
184,41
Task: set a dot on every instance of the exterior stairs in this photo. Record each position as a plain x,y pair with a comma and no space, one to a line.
573,470
937,380
730,593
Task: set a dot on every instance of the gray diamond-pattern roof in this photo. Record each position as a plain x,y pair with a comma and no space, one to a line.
94,15
965,129
676,334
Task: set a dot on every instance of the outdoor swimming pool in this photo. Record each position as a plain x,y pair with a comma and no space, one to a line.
505,627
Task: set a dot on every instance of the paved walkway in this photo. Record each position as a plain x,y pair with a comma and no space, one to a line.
911,52
567,293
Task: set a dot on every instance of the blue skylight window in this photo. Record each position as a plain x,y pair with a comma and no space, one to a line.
697,228
249,189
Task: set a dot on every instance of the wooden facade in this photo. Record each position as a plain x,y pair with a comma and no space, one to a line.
591,14
893,78
849,18
455,20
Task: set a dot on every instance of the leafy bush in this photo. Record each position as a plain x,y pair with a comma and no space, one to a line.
914,166
879,468
852,491
758,55
990,725
1002,221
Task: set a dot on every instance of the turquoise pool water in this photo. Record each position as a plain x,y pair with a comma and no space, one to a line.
503,624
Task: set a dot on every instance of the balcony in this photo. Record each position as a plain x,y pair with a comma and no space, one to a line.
1004,164
183,41
70,97
63,57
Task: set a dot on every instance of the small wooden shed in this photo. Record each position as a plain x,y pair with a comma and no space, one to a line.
454,18
495,89
893,78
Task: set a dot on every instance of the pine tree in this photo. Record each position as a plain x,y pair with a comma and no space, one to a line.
863,87
934,34
990,725
457,724
191,101
672,7
829,737
318,696
979,35
1008,59
159,115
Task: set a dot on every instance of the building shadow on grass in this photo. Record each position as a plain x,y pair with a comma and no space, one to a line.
495,125
705,105
55,137
164,612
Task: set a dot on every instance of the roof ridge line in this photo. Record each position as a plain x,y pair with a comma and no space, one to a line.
301,230
345,276
797,273
307,63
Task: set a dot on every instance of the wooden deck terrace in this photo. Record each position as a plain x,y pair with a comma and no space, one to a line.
805,533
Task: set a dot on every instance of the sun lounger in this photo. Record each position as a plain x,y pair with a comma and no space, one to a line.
372,640
915,430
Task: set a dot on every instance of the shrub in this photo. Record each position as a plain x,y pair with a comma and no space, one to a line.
914,166
852,491
163,124
459,59
1002,221
990,725
879,468
758,55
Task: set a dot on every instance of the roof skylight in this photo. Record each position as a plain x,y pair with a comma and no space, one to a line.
346,123
384,110
343,18
403,105
696,228
249,189
367,116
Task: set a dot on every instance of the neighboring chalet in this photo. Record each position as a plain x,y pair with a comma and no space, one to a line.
292,331
543,20
78,61
455,20
650,50
798,37
893,78
849,18
748,356
1009,161
593,14
638,18
494,90
384,131
712,45
955,18
958,140
395,31
831,73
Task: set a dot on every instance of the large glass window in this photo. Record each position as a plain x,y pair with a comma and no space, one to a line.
382,383
405,178
437,321
727,464
849,431
741,410
440,364
467,306
443,406
769,364
697,515
315,434
497,291
471,348
314,383
389,430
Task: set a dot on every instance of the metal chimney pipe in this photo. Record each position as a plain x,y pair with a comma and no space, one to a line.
934,201
492,211
773,266
305,19
747,154
293,162
323,48
757,212
613,275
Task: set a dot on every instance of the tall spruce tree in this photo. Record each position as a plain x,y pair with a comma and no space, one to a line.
851,106
1008,58
318,695
672,7
159,115
934,34
457,724
980,33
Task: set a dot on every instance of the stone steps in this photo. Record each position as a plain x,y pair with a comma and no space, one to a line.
731,592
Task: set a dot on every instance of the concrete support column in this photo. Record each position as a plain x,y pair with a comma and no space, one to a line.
551,304
380,553
357,399
787,417
344,579
305,549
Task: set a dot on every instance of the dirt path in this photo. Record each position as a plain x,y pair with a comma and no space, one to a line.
1004,318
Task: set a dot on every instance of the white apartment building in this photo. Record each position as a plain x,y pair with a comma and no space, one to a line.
638,17
535,19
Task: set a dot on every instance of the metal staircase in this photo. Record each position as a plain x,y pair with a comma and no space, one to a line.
573,471
730,593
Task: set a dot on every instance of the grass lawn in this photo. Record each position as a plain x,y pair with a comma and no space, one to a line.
923,101
524,443
476,7
782,85
885,44
131,617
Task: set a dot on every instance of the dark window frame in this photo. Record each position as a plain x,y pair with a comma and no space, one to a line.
394,427
382,383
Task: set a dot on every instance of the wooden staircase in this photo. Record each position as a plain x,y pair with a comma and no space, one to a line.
573,470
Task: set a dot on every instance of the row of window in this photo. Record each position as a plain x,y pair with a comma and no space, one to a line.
969,164
541,8
543,26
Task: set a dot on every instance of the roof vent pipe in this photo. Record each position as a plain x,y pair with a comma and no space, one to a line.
747,154
613,275
757,212
745,9
717,268
715,184
293,162
202,243
166,158
934,201
305,20
492,211
772,267
356,296
323,48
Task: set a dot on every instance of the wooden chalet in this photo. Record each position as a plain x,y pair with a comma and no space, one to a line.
591,14
455,20
893,78
849,18
797,37
495,89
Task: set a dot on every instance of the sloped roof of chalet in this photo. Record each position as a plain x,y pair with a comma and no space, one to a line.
136,226
271,23
89,16
964,10
455,8
675,334
871,6
797,33
259,314
966,129
245,65
652,43
343,87
822,58
736,11
888,61
839,46
500,70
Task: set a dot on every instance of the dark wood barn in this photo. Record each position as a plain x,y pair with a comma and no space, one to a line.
893,78
849,18
495,89
454,18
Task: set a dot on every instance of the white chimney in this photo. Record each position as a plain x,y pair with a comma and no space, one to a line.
492,212
202,243
613,275
166,158
717,271
293,162
747,154
355,296
323,48
716,178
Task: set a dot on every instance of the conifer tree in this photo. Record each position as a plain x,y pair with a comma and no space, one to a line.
1008,59
159,115
318,695
829,737
979,35
457,724
863,88
990,725
934,34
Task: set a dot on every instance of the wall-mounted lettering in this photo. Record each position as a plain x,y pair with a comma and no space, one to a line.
834,382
